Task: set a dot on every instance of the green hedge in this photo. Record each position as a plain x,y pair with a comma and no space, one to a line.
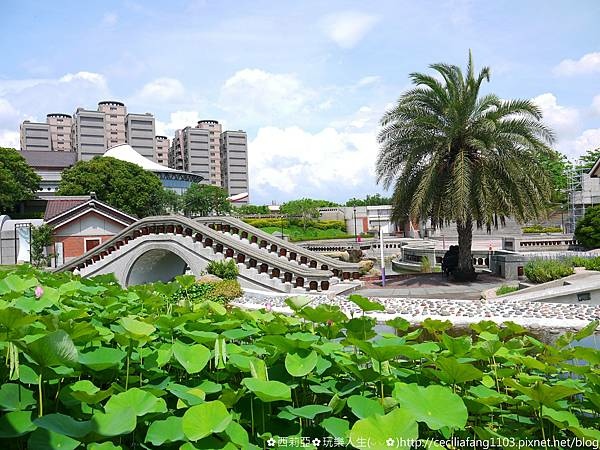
588,263
278,222
541,229
542,271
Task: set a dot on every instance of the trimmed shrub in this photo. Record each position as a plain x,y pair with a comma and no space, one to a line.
588,263
224,291
541,229
227,270
542,271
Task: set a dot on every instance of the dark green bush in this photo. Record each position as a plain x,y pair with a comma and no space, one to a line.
227,270
542,271
587,231
194,293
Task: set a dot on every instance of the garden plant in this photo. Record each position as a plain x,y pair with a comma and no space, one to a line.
91,365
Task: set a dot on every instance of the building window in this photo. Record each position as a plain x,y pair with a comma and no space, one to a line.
90,243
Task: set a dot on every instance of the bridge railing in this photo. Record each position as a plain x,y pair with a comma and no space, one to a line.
265,262
229,224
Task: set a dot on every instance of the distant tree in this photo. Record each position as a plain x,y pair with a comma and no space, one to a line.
248,210
172,202
557,167
41,238
205,200
121,184
370,200
589,159
18,181
587,231
305,209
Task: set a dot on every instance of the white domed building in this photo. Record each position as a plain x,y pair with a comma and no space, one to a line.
175,180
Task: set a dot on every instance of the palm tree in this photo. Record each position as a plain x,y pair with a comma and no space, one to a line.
456,155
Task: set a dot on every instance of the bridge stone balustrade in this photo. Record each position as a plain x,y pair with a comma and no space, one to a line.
267,242
159,248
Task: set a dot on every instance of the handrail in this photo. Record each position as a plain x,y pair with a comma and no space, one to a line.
216,236
280,242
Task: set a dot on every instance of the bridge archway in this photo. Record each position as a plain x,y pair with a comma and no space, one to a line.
155,265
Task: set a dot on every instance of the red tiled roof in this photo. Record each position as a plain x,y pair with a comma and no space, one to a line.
56,206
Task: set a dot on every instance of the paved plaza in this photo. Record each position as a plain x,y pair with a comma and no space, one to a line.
433,285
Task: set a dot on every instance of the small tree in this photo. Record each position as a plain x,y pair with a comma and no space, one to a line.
171,201
205,200
587,231
41,238
306,209
18,181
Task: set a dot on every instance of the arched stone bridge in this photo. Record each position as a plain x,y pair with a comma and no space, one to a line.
159,248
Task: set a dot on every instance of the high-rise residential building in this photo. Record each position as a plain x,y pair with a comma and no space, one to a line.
190,151
234,162
214,136
162,150
96,131
114,122
60,131
139,133
35,136
89,138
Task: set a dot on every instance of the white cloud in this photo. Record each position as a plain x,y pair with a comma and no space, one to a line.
7,111
366,81
262,97
348,28
177,121
587,64
9,139
588,140
162,90
290,163
110,19
562,119
90,77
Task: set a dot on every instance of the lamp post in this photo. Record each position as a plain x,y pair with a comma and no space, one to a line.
281,226
355,230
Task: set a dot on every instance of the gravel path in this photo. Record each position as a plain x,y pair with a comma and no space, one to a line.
415,310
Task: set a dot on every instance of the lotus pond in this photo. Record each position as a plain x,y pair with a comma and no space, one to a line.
88,364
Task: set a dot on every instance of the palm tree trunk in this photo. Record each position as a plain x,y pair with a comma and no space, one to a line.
465,239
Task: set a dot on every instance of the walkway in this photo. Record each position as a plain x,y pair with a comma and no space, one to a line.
433,286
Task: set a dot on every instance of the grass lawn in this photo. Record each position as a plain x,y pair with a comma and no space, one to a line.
7,267
299,234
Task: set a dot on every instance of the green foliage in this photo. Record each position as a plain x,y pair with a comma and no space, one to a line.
306,209
100,367
121,184
18,181
541,229
172,201
589,159
227,270
505,289
370,200
587,231
557,167
425,264
278,222
588,263
224,291
41,238
250,210
205,200
456,154
542,271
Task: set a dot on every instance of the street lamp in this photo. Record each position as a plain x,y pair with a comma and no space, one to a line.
355,231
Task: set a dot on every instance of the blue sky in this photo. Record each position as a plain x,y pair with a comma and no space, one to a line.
307,80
